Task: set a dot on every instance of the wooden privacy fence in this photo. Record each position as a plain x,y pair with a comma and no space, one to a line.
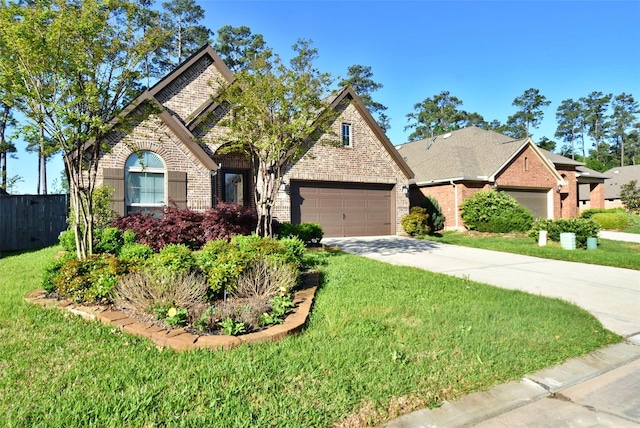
31,221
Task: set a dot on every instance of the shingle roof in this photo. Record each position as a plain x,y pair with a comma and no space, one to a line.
471,153
619,176
557,159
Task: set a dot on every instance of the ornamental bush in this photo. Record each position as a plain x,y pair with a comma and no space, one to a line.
309,233
174,258
496,212
611,221
108,240
583,228
187,227
416,223
437,219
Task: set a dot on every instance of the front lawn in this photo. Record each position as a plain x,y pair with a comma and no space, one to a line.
633,229
381,340
609,253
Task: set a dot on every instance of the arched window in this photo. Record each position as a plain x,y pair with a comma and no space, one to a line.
144,182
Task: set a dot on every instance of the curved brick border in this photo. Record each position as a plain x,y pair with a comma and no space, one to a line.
179,338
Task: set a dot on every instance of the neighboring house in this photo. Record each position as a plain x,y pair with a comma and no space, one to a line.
616,178
456,165
355,188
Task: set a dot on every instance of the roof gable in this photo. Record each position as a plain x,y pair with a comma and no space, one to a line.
618,176
348,92
471,154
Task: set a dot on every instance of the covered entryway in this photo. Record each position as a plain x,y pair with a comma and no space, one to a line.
535,200
344,209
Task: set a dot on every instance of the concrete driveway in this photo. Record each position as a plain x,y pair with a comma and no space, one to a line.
611,294
599,389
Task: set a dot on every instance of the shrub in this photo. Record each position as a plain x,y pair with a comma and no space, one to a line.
436,219
129,237
582,227
187,227
135,251
52,269
149,292
224,262
108,240
265,278
174,258
103,214
68,240
294,248
416,223
518,219
611,220
498,212
227,220
630,196
309,233
89,280
588,213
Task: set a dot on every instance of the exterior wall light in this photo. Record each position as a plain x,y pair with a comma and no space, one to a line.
405,189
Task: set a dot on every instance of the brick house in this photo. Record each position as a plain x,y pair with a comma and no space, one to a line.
456,165
616,178
172,156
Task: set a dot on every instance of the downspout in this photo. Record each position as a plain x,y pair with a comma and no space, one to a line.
455,200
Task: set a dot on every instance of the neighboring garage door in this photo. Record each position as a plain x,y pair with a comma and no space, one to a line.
535,200
344,209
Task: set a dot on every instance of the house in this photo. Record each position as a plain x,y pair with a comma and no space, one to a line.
616,178
454,166
173,156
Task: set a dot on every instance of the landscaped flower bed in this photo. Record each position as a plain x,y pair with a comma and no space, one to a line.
175,273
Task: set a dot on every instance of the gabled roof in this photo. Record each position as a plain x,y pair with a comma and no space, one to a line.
618,176
584,174
557,159
348,92
470,154
174,123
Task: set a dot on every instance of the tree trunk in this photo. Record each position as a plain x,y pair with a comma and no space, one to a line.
621,151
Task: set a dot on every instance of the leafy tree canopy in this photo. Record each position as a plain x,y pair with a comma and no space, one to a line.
275,112
238,47
360,78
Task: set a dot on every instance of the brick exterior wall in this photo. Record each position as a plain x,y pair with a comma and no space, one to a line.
366,161
153,135
525,171
597,195
189,91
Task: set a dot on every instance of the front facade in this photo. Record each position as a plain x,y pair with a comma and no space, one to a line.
172,156
456,165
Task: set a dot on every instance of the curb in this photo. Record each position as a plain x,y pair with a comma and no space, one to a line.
180,339
481,406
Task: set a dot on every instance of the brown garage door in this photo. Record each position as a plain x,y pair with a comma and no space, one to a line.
344,209
534,200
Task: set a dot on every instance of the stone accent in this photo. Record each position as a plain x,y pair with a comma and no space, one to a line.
180,339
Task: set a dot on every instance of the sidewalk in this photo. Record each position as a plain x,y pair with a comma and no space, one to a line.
620,236
600,389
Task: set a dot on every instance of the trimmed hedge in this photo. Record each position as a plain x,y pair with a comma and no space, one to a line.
609,221
495,212
436,219
583,228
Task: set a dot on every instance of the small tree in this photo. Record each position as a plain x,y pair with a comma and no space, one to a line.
630,196
276,112
76,63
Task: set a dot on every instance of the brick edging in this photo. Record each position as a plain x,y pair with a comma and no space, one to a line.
180,339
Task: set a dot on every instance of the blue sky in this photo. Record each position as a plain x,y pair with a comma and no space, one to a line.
484,53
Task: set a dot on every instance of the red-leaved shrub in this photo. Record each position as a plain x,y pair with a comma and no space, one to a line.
191,228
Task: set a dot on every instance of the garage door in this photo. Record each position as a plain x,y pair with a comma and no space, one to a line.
344,209
535,200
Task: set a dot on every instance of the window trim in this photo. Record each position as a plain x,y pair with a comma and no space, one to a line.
130,206
349,127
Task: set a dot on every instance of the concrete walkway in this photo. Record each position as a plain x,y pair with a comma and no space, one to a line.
620,236
601,389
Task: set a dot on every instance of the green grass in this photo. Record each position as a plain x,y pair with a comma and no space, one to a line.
381,340
609,253
633,229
